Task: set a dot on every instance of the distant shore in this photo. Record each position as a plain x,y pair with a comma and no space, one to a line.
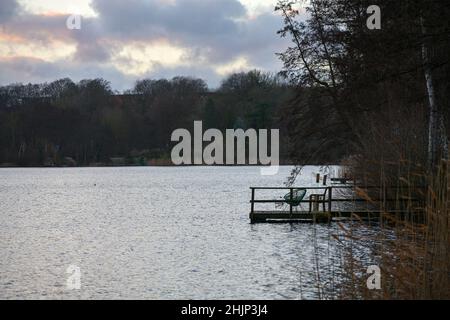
165,164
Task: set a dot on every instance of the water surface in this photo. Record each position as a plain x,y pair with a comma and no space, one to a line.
150,233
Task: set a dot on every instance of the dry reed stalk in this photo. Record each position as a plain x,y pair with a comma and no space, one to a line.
413,256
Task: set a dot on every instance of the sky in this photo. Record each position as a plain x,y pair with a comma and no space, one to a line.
123,41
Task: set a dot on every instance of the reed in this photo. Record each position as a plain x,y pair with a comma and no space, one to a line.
412,252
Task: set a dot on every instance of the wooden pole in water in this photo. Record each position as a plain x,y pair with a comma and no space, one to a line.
325,180
318,178
330,198
290,202
253,199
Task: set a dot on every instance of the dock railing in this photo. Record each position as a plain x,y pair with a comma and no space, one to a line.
328,192
326,199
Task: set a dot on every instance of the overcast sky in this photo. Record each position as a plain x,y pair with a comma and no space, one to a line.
122,41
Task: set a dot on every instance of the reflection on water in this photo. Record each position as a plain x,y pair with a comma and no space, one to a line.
180,233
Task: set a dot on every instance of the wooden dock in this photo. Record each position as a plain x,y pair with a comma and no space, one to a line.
322,206
307,216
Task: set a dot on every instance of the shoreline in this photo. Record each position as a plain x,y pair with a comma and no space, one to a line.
155,166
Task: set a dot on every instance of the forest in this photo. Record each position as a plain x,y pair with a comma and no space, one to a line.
379,97
64,123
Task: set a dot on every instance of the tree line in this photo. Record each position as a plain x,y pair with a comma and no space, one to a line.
87,123
384,93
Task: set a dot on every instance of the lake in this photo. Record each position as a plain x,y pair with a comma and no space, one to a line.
151,233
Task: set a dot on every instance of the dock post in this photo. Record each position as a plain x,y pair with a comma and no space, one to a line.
325,179
290,202
253,201
252,210
318,178
330,198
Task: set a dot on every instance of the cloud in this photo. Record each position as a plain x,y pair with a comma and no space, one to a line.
32,70
8,9
137,38
152,18
17,69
